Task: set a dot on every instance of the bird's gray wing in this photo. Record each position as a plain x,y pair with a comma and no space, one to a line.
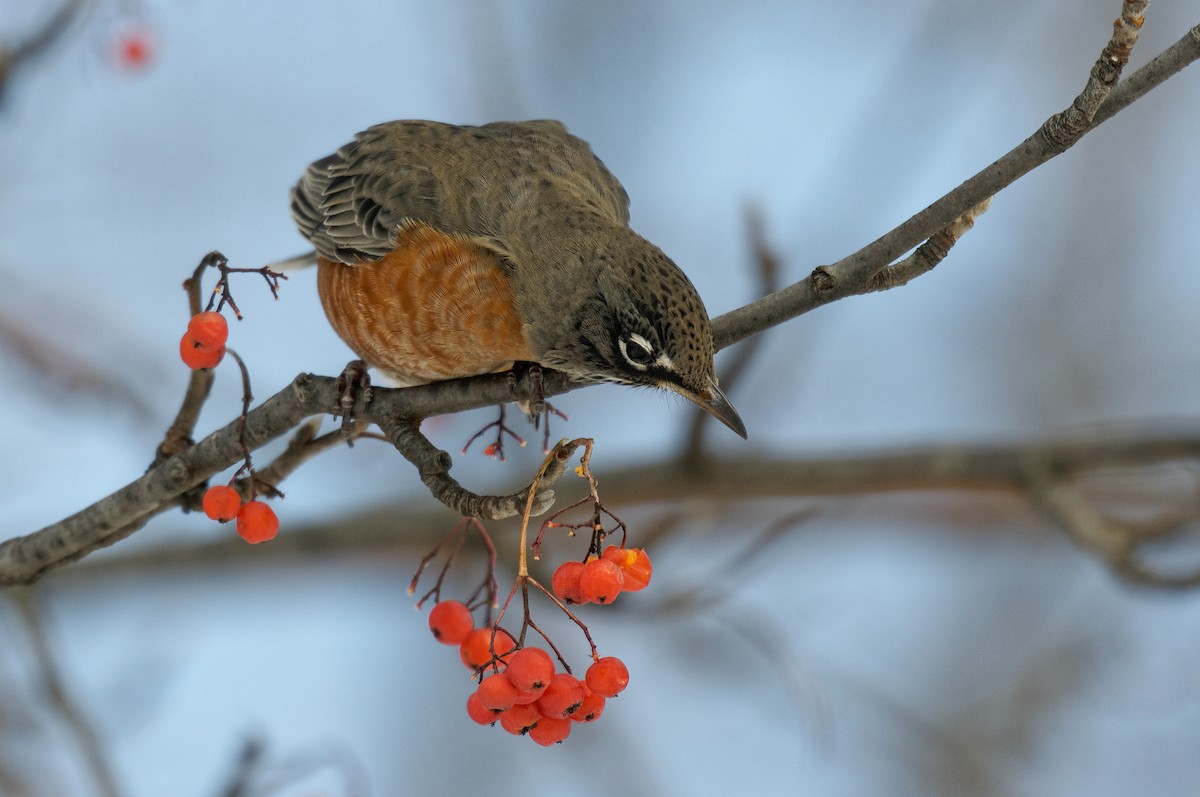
350,204
459,179
570,158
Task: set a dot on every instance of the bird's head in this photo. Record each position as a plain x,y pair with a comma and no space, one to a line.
639,321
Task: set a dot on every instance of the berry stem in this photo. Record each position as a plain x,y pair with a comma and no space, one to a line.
436,591
567,611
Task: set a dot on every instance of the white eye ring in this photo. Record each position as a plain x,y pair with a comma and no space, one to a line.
643,350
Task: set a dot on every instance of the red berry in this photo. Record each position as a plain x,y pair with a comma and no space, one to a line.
518,720
600,581
608,676
477,712
591,708
196,356
134,48
496,692
221,503
550,730
256,522
450,622
210,330
562,697
530,668
476,649
565,581
634,564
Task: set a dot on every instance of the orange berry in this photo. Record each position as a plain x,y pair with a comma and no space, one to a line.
496,692
530,669
608,676
562,697
634,564
519,720
195,356
477,712
565,581
600,581
550,730
256,522
476,649
210,330
591,708
221,503
450,622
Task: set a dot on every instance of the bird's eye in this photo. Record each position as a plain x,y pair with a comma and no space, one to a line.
637,351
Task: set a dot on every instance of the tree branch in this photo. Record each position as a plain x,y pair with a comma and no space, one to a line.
1052,476
853,274
433,465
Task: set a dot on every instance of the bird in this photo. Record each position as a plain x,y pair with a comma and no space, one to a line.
448,251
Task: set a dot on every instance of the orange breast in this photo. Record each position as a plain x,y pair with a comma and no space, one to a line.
437,307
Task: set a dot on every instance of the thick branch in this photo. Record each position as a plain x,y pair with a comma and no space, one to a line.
25,559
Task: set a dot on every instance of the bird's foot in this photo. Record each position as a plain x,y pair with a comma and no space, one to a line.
353,382
535,405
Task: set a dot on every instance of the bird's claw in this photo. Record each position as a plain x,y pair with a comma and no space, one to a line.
353,383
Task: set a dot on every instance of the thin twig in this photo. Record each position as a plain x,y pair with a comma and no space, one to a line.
34,46
1057,134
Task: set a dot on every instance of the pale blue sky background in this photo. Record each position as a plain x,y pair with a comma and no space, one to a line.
920,650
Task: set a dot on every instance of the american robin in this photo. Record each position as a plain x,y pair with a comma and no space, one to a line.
446,251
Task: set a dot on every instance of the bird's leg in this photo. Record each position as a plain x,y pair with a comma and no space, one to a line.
496,448
354,381
536,405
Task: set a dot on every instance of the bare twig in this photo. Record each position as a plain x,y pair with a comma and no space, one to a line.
60,697
249,761
1117,543
928,254
40,42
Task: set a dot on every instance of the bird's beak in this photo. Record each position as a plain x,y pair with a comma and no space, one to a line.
716,405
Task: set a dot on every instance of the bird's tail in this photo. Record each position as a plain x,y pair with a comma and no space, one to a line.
295,263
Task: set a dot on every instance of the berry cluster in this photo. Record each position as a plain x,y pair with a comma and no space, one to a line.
602,578
203,345
522,691
256,521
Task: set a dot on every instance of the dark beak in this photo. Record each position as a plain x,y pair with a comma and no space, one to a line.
716,405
